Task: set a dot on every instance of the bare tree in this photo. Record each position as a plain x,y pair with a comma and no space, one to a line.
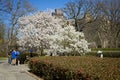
108,21
73,10
11,11
100,19
2,32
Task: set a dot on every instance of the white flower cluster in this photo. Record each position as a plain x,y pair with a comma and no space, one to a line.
68,40
44,30
33,30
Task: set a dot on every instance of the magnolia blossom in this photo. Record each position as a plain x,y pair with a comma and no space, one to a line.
68,40
34,29
42,30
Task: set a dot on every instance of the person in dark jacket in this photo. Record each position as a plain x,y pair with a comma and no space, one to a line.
31,52
9,56
17,57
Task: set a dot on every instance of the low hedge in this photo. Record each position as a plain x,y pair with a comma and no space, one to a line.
106,49
3,54
112,54
75,68
49,71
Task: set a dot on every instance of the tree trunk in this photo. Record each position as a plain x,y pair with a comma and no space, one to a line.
103,40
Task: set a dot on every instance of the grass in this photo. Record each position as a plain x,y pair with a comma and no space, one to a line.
3,58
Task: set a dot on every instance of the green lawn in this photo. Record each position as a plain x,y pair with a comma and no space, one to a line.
3,58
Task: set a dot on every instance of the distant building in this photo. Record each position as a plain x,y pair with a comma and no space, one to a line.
58,14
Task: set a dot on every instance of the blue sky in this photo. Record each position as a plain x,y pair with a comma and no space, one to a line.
48,4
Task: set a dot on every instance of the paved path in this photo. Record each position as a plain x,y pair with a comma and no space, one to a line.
10,72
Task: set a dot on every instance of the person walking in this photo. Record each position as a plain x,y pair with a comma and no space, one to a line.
17,57
9,57
31,52
13,57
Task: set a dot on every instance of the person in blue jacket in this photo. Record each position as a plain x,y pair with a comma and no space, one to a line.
13,57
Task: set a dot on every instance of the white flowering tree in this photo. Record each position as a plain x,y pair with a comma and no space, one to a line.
44,31
34,29
68,40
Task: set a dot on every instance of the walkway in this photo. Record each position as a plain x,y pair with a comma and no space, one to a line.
10,72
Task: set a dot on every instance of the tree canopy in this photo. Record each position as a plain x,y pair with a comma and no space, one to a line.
44,31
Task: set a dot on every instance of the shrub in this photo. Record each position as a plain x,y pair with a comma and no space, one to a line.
75,68
3,53
112,54
106,49
25,56
48,71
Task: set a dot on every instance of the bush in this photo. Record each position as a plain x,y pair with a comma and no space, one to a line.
106,49
112,54
75,68
3,53
48,71
70,54
25,56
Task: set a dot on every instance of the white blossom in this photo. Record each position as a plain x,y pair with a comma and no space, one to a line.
44,30
69,40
